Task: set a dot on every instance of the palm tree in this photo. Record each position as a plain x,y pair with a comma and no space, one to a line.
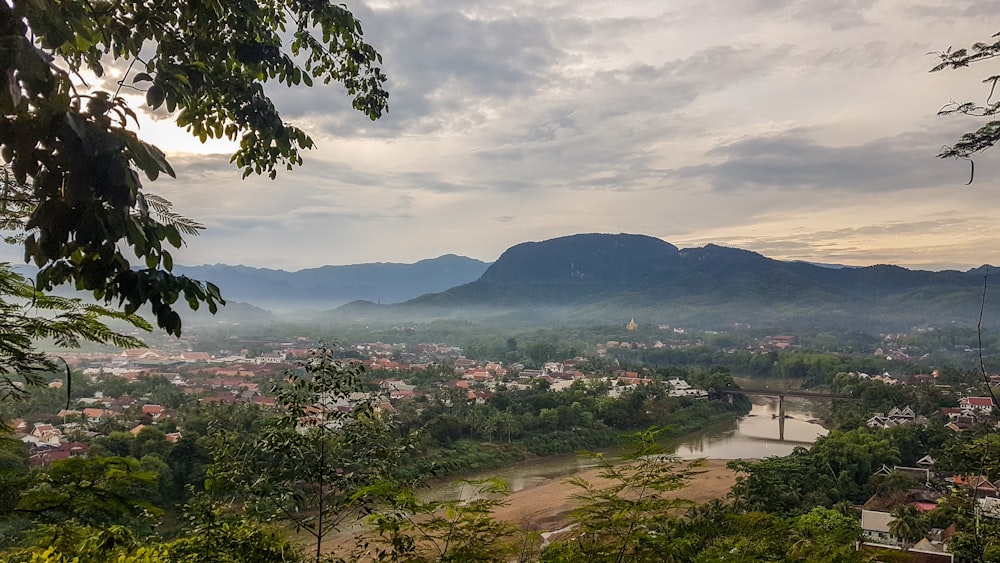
508,423
908,525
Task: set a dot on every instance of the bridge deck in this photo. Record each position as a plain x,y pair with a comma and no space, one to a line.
790,393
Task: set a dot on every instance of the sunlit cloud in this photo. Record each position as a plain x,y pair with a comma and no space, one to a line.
799,129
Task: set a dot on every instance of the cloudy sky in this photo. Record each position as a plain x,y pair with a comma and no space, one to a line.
803,130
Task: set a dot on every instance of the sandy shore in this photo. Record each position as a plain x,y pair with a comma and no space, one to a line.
546,506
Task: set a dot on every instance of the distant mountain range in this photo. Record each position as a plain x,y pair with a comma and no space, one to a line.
611,278
330,286
604,278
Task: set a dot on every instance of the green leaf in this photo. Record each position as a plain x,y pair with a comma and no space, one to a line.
154,96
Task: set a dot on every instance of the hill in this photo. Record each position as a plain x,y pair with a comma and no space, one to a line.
330,286
610,278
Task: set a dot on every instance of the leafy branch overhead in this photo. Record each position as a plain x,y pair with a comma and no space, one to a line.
989,134
28,315
203,62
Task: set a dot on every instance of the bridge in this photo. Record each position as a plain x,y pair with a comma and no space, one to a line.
781,394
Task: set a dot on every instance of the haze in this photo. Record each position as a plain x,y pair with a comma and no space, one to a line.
802,130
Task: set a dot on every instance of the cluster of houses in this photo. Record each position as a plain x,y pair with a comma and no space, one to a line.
895,417
968,413
48,441
932,487
970,410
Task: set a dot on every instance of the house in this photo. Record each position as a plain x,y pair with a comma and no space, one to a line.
263,401
875,528
957,426
401,393
270,358
902,414
961,414
95,416
71,414
46,434
990,507
139,356
918,474
191,357
980,404
876,513
873,552
221,397
42,456
154,411
979,486
387,364
895,417
530,373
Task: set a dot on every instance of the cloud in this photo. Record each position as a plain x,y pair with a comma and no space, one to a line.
955,242
795,127
834,15
445,68
793,161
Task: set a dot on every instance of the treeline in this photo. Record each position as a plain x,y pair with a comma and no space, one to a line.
942,346
140,485
214,494
457,434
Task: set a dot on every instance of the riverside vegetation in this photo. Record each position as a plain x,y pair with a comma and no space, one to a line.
242,477
79,211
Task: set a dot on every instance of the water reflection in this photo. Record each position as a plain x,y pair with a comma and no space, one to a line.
759,434
756,435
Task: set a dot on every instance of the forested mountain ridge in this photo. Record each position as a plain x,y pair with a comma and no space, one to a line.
592,277
330,286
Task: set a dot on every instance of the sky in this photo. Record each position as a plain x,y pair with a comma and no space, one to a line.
803,130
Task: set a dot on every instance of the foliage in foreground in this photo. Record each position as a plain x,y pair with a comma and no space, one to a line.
633,517
452,530
308,467
89,222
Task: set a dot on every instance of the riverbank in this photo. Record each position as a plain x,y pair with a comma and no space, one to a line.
546,505
541,500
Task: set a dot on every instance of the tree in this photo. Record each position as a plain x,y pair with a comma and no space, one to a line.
540,352
508,423
824,535
219,537
988,135
444,530
15,472
308,466
629,519
908,525
96,490
28,315
88,220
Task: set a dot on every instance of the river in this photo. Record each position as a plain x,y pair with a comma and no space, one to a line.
756,435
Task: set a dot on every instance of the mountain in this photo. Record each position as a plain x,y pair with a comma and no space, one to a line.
330,286
607,278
